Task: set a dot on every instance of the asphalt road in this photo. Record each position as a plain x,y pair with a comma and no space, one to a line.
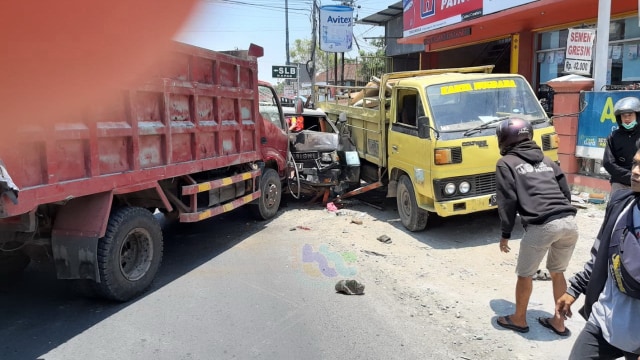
228,288
234,288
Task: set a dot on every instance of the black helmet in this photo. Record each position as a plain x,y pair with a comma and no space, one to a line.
626,105
511,132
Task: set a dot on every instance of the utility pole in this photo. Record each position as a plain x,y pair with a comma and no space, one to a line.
602,43
286,22
314,29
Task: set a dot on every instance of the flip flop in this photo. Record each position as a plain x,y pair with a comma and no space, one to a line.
545,322
511,326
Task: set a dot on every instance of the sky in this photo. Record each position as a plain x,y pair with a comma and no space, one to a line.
234,24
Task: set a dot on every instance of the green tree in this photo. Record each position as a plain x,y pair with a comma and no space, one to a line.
373,63
279,88
301,52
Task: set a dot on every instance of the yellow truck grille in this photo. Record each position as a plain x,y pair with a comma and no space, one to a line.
482,184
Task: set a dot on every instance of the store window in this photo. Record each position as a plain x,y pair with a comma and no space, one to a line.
623,55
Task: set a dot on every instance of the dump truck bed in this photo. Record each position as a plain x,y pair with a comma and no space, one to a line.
199,113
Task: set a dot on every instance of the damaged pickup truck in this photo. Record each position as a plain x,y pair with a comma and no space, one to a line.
321,160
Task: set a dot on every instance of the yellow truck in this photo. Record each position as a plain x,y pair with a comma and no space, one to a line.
429,135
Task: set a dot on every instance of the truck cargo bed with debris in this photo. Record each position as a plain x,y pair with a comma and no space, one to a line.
429,135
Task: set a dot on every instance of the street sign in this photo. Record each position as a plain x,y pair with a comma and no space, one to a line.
284,72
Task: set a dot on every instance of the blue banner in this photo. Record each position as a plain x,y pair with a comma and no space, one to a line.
597,121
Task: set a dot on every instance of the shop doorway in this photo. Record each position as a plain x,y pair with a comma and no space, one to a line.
496,53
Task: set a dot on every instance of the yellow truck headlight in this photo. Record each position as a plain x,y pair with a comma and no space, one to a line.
464,187
450,189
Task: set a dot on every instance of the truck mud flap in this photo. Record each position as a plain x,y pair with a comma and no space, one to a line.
74,239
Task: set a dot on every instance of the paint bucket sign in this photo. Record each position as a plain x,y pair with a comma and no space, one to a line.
336,28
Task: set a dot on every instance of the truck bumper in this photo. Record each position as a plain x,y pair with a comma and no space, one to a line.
466,205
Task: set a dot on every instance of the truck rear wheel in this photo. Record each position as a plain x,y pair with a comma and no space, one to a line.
412,217
269,202
129,254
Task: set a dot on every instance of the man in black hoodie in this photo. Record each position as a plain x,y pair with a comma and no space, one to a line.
621,143
532,185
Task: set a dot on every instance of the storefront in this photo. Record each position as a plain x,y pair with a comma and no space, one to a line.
528,37
519,36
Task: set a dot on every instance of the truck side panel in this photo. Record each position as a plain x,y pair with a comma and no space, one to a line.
198,113
367,130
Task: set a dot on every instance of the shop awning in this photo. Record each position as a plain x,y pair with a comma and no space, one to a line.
534,16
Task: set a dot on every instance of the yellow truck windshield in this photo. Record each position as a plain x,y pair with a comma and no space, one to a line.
464,105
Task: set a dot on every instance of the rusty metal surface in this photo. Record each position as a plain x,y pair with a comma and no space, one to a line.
200,113
361,190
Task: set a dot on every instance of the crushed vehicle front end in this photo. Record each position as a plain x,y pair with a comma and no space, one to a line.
320,160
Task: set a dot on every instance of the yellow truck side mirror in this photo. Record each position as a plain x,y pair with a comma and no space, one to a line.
424,127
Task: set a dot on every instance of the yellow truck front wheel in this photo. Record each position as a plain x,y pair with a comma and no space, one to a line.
412,217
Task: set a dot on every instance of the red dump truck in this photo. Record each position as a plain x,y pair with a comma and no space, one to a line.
200,138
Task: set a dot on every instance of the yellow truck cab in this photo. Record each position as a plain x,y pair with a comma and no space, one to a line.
430,135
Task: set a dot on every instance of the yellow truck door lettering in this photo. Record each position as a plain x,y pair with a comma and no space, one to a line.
479,143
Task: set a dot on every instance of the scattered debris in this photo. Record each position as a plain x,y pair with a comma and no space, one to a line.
580,200
350,287
343,212
331,207
596,198
385,239
303,227
542,275
356,221
374,253
577,199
